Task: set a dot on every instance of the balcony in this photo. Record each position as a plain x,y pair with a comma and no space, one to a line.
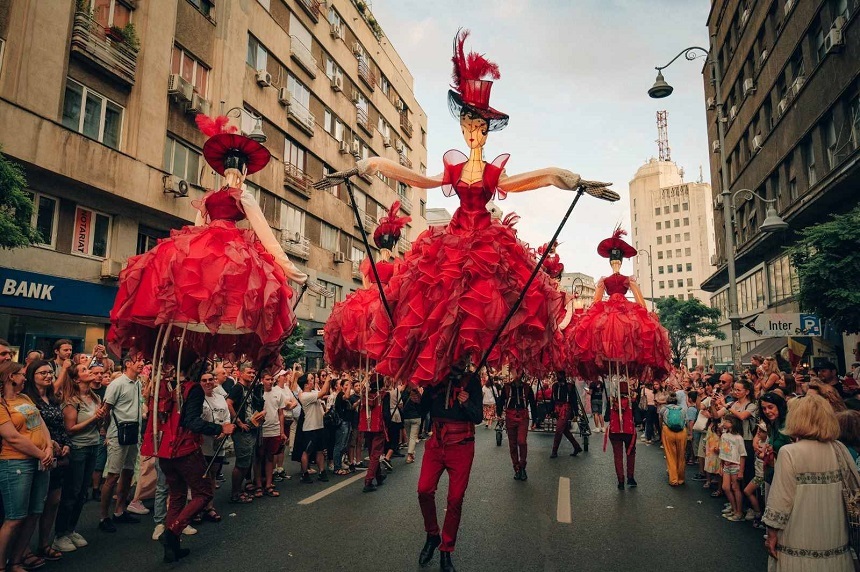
405,203
406,125
363,119
404,160
296,244
356,270
297,180
302,54
366,74
92,42
301,116
403,245
312,8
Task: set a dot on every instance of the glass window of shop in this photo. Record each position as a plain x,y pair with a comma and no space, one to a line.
27,330
782,281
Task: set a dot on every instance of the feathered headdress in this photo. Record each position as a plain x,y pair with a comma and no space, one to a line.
615,247
471,84
210,126
226,148
388,231
552,263
474,66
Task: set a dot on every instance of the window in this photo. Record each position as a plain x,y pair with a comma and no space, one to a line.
658,226
293,219
148,237
322,301
110,13
830,140
2,49
853,117
689,281
45,218
657,211
671,283
668,239
271,206
792,178
330,238
298,91
661,284
204,6
685,206
294,154
402,189
677,238
424,141
670,269
384,128
333,190
191,70
686,236
659,240
668,254
333,17
677,222
660,255
659,270
422,208
687,252
91,233
679,268
92,115
181,160
676,208
782,280
384,85
666,209
299,32
689,267
816,35
686,221
258,55
677,253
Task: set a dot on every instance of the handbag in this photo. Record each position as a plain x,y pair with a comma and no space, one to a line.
701,422
850,494
127,432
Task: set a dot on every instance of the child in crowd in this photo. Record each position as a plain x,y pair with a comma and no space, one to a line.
754,486
691,415
732,457
712,458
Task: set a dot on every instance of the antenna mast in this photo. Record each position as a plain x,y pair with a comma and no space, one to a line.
663,136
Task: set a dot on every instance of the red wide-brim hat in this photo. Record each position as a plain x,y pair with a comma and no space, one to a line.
223,145
615,242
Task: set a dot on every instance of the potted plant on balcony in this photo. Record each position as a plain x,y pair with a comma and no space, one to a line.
129,35
114,33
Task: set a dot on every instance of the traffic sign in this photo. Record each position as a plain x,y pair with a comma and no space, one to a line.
781,325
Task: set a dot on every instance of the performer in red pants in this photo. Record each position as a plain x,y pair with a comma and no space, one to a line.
566,402
370,423
455,408
622,433
517,397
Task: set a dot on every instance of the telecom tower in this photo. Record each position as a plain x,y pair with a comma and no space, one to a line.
663,136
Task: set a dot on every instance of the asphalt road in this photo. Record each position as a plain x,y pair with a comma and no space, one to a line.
507,525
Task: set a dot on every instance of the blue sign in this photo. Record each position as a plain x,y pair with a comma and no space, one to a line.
31,291
810,325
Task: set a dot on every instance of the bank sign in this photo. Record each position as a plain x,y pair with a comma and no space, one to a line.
781,325
31,291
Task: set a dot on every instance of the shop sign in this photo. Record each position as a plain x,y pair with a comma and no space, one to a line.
32,291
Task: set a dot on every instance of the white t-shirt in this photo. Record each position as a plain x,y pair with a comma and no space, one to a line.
732,448
218,390
312,407
274,401
215,411
489,398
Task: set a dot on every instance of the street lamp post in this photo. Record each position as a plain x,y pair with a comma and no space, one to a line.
651,270
256,134
772,221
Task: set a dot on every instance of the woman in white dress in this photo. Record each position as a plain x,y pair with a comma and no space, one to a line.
805,516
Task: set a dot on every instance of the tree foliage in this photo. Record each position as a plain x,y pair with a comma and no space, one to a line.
16,207
827,260
687,320
292,353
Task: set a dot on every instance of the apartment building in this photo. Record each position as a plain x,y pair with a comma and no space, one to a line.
97,103
792,104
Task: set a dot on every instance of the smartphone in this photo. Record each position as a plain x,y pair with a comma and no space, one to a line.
100,341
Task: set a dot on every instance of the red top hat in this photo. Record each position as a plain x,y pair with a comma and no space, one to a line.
225,148
471,92
614,247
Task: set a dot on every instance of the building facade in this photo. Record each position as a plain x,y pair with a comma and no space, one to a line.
104,128
580,284
792,104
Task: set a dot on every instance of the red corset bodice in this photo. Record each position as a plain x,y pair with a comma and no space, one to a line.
473,213
385,270
616,284
224,205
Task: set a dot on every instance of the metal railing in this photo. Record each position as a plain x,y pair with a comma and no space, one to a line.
297,179
363,119
366,74
356,270
404,160
300,248
313,8
302,54
405,203
403,245
406,125
301,115
90,40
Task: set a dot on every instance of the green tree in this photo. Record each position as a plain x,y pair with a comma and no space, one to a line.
292,353
687,320
16,207
828,266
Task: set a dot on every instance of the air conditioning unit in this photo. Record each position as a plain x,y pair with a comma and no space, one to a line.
749,86
337,82
756,143
733,112
399,105
178,87
745,16
339,257
355,96
336,31
284,96
781,106
789,4
715,260
398,145
110,269
763,56
715,146
718,203
797,84
356,148
834,40
710,104
198,105
173,184
344,147
357,50
294,237
264,78
839,22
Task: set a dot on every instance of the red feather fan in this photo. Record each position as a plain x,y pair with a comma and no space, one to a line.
474,66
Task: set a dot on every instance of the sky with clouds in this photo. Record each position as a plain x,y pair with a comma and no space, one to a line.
574,79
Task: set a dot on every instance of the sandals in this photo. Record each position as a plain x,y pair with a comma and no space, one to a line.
50,554
31,562
250,488
197,518
341,472
241,498
211,515
271,492
717,494
258,492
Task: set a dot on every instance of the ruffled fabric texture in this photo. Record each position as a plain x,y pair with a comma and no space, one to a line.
451,292
348,328
217,279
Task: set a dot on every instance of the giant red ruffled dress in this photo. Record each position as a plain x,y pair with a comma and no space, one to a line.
348,327
216,280
620,331
451,292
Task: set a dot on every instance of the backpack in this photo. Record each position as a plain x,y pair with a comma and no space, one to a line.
675,418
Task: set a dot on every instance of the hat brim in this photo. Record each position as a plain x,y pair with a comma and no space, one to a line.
496,120
219,146
607,245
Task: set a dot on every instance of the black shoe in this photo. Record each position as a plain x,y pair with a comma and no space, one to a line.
523,475
576,451
307,479
445,564
430,546
172,551
380,480
553,455
517,476
126,518
369,488
631,482
620,485
106,525
323,477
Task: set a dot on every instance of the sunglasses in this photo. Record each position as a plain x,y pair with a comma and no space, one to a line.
6,353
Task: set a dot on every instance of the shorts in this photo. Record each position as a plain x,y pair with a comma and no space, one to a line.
272,446
244,442
313,441
731,468
23,487
101,455
120,457
597,406
698,450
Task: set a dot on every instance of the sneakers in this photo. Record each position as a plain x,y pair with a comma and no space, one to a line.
63,544
136,507
386,463
189,530
78,540
107,525
369,488
700,477
159,530
323,477
307,479
728,510
751,515
125,518
735,518
631,482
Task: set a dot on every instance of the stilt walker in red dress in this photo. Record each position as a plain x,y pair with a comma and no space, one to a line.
518,398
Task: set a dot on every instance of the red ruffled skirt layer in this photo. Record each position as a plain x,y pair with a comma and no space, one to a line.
623,332
219,280
449,296
348,328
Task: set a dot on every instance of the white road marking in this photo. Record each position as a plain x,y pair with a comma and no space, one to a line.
325,492
562,513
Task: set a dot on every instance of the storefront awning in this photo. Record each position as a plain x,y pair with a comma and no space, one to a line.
768,347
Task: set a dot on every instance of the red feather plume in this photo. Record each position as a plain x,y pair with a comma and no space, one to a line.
210,126
474,66
391,224
619,232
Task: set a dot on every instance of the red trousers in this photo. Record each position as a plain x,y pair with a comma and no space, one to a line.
517,426
451,448
376,447
621,444
182,474
561,428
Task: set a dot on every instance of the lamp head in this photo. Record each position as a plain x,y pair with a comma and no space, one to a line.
660,89
773,222
257,134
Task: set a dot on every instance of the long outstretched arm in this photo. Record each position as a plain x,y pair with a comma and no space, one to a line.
387,167
555,177
261,228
